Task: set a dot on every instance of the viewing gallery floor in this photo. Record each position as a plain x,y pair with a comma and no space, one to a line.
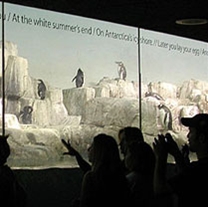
53,187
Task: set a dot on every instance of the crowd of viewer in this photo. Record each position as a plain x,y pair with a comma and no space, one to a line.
139,176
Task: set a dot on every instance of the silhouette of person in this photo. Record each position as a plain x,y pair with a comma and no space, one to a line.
105,184
11,192
140,161
84,165
188,186
127,135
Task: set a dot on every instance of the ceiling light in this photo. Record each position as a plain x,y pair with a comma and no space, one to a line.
192,22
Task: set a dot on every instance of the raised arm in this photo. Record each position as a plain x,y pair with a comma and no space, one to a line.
161,153
83,164
180,157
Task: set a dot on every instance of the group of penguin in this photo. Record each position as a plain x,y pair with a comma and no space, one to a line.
79,78
167,120
25,115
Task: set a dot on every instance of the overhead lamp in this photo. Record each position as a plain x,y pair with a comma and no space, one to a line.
192,21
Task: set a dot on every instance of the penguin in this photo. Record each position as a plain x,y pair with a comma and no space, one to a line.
41,89
121,71
79,78
155,95
25,115
168,120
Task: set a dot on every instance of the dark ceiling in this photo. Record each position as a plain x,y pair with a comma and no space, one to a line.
157,15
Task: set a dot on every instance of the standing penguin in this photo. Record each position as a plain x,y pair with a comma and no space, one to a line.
121,70
41,89
79,78
25,115
168,120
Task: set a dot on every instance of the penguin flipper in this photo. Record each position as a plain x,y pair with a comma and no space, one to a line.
74,78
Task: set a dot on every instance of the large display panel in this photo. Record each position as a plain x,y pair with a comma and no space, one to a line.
174,82
72,77
65,77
